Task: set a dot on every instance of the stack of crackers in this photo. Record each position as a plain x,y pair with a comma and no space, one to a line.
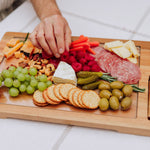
69,94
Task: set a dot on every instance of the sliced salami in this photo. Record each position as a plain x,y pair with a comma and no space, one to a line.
123,70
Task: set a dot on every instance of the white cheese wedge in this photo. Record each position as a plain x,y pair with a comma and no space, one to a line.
116,51
131,46
133,60
122,52
114,44
64,74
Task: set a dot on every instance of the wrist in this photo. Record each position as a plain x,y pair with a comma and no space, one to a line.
49,14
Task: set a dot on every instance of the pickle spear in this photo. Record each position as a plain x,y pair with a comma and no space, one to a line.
85,74
91,86
87,80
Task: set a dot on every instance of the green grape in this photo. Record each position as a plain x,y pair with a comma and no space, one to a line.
8,82
26,83
49,83
21,77
13,92
7,74
15,74
28,77
4,72
22,88
12,68
19,69
25,71
1,77
34,83
16,83
30,89
33,78
33,71
43,78
38,78
42,86
0,82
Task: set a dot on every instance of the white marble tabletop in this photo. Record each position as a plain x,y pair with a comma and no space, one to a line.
123,19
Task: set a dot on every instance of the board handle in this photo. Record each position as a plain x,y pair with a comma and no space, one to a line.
149,98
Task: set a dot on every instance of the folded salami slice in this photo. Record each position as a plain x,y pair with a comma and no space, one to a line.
122,69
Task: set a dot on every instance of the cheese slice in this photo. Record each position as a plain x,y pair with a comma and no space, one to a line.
122,52
13,50
13,42
131,46
114,44
133,60
64,74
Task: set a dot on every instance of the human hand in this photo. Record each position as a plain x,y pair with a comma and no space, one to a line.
53,35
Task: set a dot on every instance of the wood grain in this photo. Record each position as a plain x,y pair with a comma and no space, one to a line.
134,121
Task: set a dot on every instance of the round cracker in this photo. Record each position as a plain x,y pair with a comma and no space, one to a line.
47,98
39,104
38,99
80,99
68,102
65,89
70,93
57,93
75,98
51,95
90,99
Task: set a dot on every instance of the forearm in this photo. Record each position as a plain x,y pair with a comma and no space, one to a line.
45,8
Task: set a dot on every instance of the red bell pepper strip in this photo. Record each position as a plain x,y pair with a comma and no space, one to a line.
80,40
84,44
77,48
91,51
94,44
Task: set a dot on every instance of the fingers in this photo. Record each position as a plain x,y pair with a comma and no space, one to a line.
59,35
50,38
34,39
67,37
41,39
53,35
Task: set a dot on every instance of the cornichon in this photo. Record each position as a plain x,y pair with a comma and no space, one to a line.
85,74
91,86
87,80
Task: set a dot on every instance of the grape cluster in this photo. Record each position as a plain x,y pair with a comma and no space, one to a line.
20,80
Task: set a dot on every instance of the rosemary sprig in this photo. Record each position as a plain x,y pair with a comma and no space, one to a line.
26,37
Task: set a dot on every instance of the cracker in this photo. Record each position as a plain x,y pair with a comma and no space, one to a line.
65,89
90,99
68,103
79,99
47,98
70,93
38,99
51,95
39,104
57,93
75,98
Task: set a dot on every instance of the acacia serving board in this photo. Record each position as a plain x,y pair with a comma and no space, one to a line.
133,121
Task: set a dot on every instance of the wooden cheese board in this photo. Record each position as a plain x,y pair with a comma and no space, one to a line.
134,121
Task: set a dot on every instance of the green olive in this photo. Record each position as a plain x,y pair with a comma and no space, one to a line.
116,85
105,94
127,90
114,103
126,103
103,104
104,86
117,93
